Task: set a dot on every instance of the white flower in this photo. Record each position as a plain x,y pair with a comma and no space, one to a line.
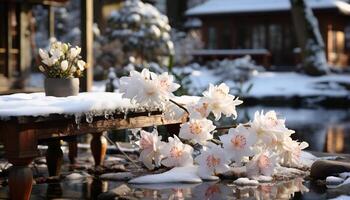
64,65
166,83
57,53
262,164
212,161
50,61
198,110
198,130
220,101
73,69
144,88
43,54
176,153
269,128
41,68
150,144
81,65
239,142
292,153
74,52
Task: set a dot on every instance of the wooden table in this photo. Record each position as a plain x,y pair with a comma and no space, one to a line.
21,134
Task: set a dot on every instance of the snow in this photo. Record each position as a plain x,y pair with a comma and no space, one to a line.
186,174
341,197
246,182
272,84
294,84
37,104
244,6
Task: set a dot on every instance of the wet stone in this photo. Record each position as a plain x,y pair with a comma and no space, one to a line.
323,168
120,176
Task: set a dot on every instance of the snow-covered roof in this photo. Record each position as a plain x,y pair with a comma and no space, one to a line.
246,6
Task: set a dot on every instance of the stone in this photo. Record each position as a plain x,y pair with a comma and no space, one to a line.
120,176
119,191
332,181
234,173
323,168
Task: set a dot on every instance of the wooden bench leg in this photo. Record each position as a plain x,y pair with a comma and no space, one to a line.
54,157
20,150
20,180
73,151
98,148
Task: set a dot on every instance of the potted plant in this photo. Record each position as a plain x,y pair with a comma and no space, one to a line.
62,66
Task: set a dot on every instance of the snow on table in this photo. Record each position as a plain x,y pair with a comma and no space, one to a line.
37,104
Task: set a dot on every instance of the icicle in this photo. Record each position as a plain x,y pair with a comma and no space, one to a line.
77,120
89,118
149,114
125,113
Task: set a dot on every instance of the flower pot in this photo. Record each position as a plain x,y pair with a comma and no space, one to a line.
60,87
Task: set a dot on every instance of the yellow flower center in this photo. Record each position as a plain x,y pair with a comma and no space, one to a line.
176,152
212,161
195,128
263,161
239,141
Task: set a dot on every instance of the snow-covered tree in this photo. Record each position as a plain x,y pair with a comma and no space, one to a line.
140,31
309,39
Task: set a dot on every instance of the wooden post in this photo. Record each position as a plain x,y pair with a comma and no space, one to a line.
73,151
87,43
54,157
98,148
8,38
51,21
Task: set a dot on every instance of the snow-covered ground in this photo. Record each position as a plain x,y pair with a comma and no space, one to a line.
271,84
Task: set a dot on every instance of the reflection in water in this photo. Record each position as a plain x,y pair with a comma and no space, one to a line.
91,188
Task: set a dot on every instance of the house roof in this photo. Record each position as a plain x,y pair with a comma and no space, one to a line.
249,6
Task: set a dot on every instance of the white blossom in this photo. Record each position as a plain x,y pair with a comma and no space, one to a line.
197,130
212,161
269,128
263,163
176,153
147,88
64,65
198,110
239,142
150,144
220,102
292,153
43,54
166,83
81,65
50,61
74,52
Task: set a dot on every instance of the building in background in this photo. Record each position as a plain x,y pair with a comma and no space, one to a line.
16,30
265,30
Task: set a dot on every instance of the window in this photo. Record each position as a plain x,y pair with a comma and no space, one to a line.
258,37
243,37
212,38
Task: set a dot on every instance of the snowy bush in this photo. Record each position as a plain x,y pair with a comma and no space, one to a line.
184,44
141,31
238,70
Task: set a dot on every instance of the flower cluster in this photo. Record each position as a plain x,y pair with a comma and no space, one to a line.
61,61
148,88
259,145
